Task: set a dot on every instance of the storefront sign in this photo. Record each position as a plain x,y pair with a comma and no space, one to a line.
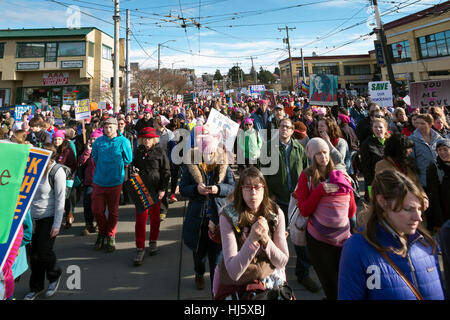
381,93
27,65
55,78
379,53
72,64
29,167
82,109
430,93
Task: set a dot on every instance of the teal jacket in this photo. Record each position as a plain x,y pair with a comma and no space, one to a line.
278,183
110,157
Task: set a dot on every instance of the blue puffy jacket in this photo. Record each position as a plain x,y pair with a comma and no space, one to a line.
110,157
365,275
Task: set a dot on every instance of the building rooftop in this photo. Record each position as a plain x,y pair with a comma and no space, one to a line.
45,33
339,57
434,10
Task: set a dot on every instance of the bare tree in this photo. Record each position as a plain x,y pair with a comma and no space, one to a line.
145,82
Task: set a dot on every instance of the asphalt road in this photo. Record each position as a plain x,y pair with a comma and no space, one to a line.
97,275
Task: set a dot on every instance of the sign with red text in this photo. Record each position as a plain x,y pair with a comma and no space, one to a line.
55,79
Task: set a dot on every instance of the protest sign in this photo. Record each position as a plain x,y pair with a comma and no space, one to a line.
58,117
141,193
323,89
65,107
268,95
432,93
256,88
102,105
32,173
228,128
134,105
283,93
82,109
189,98
381,93
19,110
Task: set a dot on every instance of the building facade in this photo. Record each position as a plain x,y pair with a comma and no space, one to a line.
420,45
354,71
54,67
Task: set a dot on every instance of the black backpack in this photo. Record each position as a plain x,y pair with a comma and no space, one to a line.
69,177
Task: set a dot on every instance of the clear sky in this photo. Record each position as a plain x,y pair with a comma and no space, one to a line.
231,31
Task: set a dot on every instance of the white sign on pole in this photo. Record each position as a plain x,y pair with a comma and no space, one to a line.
65,107
134,105
228,128
102,105
381,93
257,88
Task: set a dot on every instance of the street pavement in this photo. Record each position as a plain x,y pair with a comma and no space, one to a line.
112,276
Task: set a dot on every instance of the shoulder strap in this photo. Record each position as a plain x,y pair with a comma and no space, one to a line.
400,273
52,173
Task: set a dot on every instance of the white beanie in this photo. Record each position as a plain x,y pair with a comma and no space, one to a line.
316,145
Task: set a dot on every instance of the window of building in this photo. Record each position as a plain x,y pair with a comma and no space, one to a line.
106,52
91,49
359,69
435,45
30,50
300,72
326,69
50,52
70,49
401,51
2,50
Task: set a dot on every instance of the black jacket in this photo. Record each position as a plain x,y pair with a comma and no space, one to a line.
364,129
438,190
372,151
38,139
142,123
154,164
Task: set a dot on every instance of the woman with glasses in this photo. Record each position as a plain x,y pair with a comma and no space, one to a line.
250,143
255,250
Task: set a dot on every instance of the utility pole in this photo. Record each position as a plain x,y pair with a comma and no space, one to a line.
290,57
386,54
303,66
116,89
239,73
159,67
254,70
128,71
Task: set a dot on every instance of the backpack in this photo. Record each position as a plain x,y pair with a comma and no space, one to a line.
69,178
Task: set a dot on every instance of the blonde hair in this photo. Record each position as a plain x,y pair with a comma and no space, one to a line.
385,124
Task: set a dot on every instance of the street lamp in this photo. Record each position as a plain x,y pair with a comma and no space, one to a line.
159,63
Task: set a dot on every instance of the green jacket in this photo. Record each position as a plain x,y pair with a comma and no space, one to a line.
278,183
250,142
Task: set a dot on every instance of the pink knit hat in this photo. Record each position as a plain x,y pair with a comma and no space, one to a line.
248,120
207,143
59,134
97,133
344,118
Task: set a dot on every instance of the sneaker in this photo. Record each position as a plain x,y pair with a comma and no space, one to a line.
32,295
152,249
177,190
199,282
92,229
162,216
69,220
309,284
140,253
172,198
100,242
52,287
110,244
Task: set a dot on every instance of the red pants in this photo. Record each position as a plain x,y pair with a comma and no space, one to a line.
100,197
141,223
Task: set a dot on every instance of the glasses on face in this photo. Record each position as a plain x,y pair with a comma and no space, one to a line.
249,188
378,116
285,127
121,123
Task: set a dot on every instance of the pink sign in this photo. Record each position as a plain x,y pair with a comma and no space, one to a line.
55,78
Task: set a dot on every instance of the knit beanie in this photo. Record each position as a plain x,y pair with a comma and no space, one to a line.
344,118
207,143
316,145
59,134
97,133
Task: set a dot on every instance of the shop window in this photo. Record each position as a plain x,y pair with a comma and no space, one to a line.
50,52
71,49
401,51
354,70
5,94
106,52
317,69
300,71
2,50
435,45
30,50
